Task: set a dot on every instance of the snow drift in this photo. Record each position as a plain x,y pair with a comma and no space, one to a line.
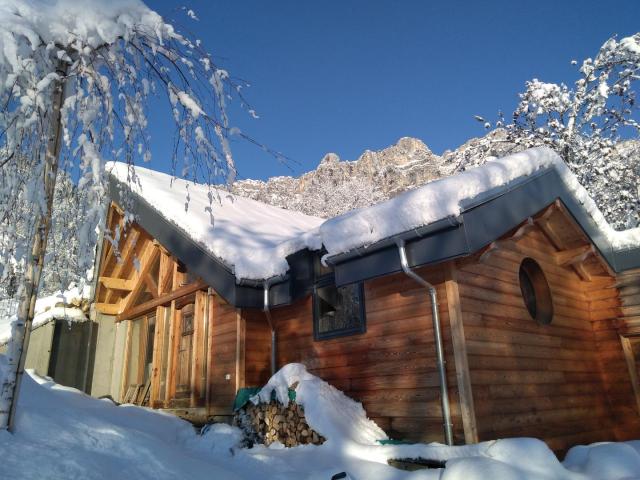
327,410
63,434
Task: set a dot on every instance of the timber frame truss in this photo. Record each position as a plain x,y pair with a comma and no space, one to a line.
574,249
139,275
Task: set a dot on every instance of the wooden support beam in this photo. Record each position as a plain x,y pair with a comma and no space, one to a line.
582,272
545,223
241,332
197,367
156,363
152,286
117,283
165,280
169,374
458,340
124,381
108,308
162,300
509,242
149,256
630,358
573,256
125,256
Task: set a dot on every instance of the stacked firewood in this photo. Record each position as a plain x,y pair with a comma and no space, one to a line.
266,423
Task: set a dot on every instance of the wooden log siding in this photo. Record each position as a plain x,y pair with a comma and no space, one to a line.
222,359
614,332
257,348
546,381
391,368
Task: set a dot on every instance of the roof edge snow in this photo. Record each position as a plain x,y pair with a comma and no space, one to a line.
448,218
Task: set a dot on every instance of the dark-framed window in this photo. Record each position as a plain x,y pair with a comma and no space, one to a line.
337,311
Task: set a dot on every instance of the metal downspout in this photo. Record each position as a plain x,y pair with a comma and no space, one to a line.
444,393
267,313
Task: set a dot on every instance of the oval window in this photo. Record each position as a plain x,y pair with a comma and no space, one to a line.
535,291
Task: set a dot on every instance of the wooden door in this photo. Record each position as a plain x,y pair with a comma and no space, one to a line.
185,352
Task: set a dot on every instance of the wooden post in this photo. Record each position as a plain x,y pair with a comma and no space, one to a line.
198,348
212,310
156,363
124,381
31,282
241,330
633,368
460,355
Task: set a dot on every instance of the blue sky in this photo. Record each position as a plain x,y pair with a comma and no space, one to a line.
345,76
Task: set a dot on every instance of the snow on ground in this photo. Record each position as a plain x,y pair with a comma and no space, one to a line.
60,305
64,434
255,238
250,236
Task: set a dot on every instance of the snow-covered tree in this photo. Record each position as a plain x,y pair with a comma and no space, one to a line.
588,123
76,77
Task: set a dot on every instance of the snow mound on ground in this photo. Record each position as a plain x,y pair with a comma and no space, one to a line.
605,460
218,439
251,237
63,434
60,305
327,410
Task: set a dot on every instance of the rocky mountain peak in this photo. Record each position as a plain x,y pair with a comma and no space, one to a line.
337,186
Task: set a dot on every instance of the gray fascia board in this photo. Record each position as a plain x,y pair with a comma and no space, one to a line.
202,263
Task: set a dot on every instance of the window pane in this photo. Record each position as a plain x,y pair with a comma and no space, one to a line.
338,309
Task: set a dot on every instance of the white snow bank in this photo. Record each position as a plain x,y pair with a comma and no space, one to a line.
63,434
327,410
246,235
444,197
61,305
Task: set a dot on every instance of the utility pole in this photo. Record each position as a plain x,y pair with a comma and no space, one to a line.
31,282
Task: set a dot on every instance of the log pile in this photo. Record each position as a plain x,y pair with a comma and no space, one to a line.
266,423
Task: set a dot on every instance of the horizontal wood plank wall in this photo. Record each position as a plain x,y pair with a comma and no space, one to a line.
257,348
529,379
629,287
615,311
391,368
222,367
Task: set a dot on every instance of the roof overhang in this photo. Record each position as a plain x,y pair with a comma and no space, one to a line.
198,260
482,220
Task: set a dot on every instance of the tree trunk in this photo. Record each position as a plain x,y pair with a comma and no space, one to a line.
28,292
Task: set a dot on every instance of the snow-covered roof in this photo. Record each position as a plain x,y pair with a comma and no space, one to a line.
253,238
248,236
65,305
447,196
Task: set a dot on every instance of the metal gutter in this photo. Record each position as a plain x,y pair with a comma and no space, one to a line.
442,373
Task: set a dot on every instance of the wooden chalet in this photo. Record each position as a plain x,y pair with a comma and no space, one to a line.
539,316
